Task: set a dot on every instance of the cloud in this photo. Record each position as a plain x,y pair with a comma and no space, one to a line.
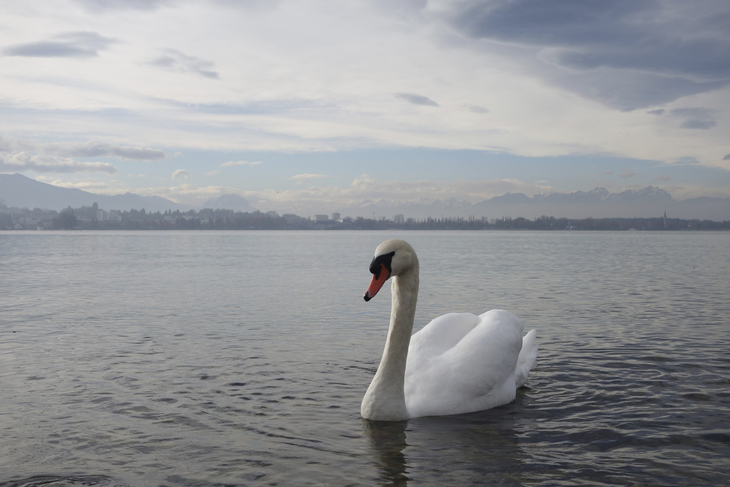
726,158
240,163
89,184
696,117
71,44
476,109
18,155
60,156
607,173
300,178
287,87
181,173
663,178
636,54
103,149
416,99
22,161
174,60
212,173
658,111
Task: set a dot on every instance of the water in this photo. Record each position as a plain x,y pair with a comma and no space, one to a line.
240,358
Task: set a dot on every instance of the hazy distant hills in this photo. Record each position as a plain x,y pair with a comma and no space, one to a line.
19,191
598,203
22,192
229,202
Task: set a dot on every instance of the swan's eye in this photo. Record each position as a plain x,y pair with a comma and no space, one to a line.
384,260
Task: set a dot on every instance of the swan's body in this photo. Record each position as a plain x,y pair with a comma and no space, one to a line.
458,363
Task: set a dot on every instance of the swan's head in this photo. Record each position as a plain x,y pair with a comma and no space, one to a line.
392,257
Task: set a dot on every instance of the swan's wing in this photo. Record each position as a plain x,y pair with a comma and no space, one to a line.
429,344
487,356
441,334
478,372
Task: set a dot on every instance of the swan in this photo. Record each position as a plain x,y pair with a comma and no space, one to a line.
458,363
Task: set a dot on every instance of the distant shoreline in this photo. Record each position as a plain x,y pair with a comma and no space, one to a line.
81,230
95,218
260,221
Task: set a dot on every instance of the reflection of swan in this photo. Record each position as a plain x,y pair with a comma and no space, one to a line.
456,364
449,450
388,440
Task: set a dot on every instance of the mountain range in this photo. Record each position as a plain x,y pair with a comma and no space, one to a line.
20,191
229,202
598,203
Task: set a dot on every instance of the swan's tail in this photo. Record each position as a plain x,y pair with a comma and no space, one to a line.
527,359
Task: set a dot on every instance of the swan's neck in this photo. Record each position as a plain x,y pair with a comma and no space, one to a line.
385,398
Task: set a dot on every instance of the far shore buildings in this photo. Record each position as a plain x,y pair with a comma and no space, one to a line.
336,217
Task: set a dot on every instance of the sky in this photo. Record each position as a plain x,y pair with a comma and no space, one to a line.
314,106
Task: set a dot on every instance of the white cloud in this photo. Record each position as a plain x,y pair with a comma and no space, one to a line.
22,161
300,178
22,154
90,184
181,174
91,148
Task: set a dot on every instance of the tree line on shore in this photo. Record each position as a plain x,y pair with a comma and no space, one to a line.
93,218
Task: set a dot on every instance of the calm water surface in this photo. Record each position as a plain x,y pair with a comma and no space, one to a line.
240,358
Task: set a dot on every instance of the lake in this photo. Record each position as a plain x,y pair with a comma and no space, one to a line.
241,358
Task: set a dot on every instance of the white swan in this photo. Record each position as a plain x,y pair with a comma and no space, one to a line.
458,363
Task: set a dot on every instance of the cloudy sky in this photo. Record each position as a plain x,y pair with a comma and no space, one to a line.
312,105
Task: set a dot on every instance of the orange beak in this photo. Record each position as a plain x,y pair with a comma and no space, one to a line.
376,283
